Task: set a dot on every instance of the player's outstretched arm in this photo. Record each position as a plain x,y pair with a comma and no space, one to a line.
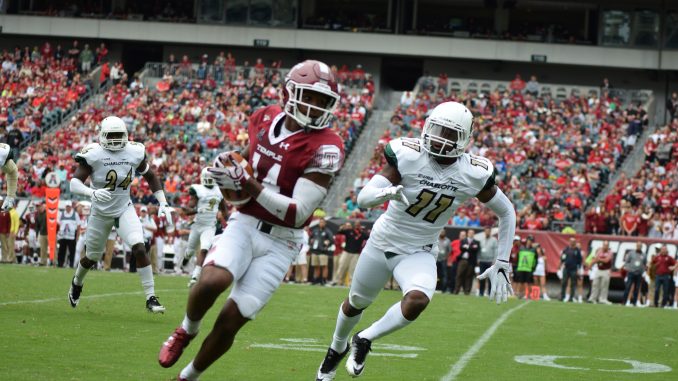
382,187
12,177
499,272
156,187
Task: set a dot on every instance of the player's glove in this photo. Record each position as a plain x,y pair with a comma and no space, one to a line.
228,173
393,193
499,274
164,211
7,204
101,195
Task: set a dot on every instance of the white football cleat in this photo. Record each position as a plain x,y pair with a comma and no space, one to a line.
355,364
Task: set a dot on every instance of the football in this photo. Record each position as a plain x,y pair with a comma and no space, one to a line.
235,197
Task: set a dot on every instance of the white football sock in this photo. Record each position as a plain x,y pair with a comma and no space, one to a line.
392,320
146,275
191,327
80,273
345,325
190,373
196,272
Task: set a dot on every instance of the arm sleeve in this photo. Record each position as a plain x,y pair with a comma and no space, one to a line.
12,175
293,210
367,197
78,187
502,207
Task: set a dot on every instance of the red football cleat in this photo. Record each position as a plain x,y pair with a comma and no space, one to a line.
173,348
179,378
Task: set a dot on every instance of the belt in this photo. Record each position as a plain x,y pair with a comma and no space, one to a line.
264,227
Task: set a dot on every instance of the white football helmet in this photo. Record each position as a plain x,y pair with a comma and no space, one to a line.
447,130
206,178
113,125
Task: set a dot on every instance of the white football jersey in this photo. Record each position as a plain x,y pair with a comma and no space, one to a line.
434,192
5,150
114,171
208,204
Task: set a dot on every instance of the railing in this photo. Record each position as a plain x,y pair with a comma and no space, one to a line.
198,71
553,90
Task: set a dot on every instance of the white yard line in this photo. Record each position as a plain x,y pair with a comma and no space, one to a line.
459,366
65,297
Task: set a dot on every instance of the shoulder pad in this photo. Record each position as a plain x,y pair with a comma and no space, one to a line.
138,151
87,153
480,170
402,149
5,153
327,158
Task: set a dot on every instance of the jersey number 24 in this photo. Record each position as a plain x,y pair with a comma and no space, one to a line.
112,180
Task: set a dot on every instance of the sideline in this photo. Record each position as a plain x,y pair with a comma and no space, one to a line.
65,297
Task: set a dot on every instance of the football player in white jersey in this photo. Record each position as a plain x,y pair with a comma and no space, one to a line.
11,176
111,164
426,179
205,202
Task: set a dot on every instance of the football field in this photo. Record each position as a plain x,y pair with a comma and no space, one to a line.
110,336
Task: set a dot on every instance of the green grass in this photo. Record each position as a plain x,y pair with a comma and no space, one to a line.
113,337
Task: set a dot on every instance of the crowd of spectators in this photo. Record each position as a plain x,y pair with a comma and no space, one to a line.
41,83
647,203
184,121
553,155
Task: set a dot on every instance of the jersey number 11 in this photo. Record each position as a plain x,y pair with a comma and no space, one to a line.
424,198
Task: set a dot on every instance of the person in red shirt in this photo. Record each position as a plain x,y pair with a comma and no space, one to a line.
664,266
517,84
452,262
612,200
629,223
600,284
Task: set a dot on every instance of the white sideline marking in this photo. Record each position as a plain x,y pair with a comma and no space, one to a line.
65,297
312,345
456,369
323,349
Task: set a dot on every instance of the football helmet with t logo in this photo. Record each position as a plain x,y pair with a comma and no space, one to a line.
310,76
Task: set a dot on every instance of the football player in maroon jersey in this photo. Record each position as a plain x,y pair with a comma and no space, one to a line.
294,156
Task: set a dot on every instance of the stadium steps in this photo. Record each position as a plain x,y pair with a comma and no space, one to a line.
363,149
631,164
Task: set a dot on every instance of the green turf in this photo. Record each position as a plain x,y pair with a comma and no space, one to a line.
113,338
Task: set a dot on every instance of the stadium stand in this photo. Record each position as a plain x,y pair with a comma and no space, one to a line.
554,151
645,204
182,118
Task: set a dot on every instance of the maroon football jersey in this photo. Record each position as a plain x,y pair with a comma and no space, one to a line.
279,158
